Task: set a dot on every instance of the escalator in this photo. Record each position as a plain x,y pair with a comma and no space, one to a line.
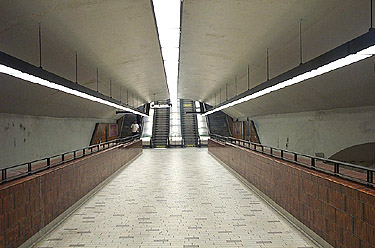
189,123
160,129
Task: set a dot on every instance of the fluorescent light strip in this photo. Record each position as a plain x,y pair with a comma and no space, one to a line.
339,63
167,14
160,106
37,80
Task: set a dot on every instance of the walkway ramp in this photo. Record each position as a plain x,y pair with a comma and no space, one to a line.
167,199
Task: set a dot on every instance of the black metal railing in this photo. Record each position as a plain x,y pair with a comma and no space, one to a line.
360,174
21,170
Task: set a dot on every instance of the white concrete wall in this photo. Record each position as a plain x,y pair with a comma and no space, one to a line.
318,132
26,138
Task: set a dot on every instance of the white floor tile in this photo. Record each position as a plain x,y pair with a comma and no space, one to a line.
175,198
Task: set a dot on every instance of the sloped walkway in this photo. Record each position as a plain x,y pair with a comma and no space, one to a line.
175,198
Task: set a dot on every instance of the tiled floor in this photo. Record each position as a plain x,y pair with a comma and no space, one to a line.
175,198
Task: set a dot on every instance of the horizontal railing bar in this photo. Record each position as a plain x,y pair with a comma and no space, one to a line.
48,162
312,162
305,155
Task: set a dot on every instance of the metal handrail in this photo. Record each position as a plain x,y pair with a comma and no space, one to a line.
353,172
32,167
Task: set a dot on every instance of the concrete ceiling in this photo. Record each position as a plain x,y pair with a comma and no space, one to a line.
348,87
118,37
21,97
219,39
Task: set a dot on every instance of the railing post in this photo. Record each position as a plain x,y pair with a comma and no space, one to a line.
313,162
370,177
295,157
3,174
282,153
48,162
84,152
29,168
62,157
336,168
263,149
98,146
74,154
271,151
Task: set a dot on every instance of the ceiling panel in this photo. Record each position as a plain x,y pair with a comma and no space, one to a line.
117,37
21,97
221,38
348,87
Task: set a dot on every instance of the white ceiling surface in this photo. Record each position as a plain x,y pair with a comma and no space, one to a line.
21,97
348,87
119,37
220,38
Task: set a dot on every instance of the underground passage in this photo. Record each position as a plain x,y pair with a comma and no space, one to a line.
182,123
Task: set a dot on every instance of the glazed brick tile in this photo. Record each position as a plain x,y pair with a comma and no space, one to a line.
369,214
344,220
346,207
329,212
367,195
337,200
3,224
56,189
2,239
370,234
364,244
354,207
350,240
322,193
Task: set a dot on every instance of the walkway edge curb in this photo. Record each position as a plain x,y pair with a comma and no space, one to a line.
58,220
290,218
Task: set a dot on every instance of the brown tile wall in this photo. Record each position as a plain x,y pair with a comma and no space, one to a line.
30,203
338,210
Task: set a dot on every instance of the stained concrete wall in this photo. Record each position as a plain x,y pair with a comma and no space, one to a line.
25,138
319,131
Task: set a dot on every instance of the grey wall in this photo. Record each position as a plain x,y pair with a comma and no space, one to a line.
24,138
319,131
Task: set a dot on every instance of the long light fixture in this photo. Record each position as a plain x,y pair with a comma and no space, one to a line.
19,69
168,15
351,52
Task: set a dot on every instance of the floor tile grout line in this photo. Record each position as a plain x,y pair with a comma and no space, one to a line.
317,240
71,210
172,183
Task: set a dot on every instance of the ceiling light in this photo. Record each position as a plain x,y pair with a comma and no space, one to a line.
167,15
31,74
169,37
351,52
